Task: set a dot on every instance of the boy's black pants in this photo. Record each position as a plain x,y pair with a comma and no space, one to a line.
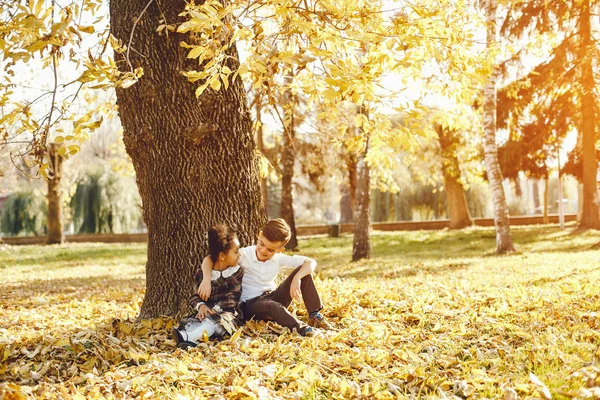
272,306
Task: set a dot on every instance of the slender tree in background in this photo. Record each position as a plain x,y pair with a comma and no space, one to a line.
288,160
348,199
361,245
504,241
55,209
455,192
194,158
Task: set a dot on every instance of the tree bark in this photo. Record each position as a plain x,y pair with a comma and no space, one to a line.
55,214
195,158
361,246
288,159
346,209
377,206
580,179
348,200
504,241
546,219
261,148
536,196
458,209
517,185
590,215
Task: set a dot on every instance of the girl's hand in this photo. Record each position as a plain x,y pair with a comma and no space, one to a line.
204,289
204,312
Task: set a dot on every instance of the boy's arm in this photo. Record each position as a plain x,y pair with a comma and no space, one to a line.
205,286
307,268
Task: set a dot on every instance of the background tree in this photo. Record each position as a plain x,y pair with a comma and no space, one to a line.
558,94
361,244
54,196
288,159
458,209
504,241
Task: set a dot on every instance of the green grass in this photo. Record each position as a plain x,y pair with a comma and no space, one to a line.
431,313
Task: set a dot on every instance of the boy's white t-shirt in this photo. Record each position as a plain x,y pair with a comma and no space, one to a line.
260,276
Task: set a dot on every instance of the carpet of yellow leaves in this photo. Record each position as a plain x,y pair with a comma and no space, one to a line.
431,316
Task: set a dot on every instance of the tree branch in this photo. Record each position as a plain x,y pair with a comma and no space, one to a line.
132,31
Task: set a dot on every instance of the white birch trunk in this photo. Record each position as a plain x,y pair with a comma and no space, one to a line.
504,241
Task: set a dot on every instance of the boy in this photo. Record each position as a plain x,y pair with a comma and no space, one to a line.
261,298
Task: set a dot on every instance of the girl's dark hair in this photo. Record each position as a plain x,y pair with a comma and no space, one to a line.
220,239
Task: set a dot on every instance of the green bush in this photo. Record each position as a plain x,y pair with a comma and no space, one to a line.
24,213
105,202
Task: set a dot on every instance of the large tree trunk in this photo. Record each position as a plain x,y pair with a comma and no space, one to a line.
261,148
458,209
55,214
194,158
590,215
288,159
504,241
361,246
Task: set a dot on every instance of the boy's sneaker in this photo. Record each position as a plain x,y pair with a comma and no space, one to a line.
308,331
318,321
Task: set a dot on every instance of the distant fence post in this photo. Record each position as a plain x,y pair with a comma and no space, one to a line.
334,230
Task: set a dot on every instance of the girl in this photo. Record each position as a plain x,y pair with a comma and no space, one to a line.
220,312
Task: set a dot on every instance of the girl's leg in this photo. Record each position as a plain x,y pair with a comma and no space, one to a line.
194,332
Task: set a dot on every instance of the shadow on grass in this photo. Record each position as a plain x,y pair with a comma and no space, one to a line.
67,288
58,257
432,246
374,268
544,280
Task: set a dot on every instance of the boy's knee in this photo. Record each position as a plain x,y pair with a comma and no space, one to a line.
273,306
307,279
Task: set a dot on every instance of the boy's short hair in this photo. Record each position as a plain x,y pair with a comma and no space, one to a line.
277,230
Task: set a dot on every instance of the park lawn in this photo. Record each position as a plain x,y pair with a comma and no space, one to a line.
431,315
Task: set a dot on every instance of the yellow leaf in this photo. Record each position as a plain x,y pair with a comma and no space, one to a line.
73,149
37,45
330,94
196,51
87,29
125,328
215,84
201,89
236,335
89,364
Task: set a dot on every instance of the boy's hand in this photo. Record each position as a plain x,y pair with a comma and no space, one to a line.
204,312
204,289
295,291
